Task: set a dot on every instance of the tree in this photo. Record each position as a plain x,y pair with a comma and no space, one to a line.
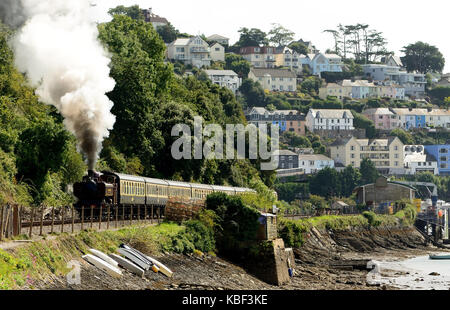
253,93
280,35
325,183
167,32
423,58
349,179
131,11
369,173
238,64
336,37
295,140
299,48
252,37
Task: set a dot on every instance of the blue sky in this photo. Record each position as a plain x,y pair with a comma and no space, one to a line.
401,21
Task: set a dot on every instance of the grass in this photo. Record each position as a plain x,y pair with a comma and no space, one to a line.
41,260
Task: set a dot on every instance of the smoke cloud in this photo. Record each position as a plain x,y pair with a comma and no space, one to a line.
58,49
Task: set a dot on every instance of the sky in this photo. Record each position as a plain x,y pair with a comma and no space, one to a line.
402,21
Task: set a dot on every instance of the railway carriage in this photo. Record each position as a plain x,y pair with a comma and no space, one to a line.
157,191
130,189
224,189
179,189
200,191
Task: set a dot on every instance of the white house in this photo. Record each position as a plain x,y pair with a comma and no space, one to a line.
329,119
225,78
321,62
414,83
416,160
219,39
194,51
217,52
274,79
312,163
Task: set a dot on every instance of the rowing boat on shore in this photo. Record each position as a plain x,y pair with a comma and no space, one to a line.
440,256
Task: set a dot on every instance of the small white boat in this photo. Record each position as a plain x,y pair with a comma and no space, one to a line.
128,265
162,268
101,264
103,256
134,258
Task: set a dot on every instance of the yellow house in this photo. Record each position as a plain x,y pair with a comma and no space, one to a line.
386,154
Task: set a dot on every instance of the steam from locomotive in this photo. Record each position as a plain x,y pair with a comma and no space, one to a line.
58,49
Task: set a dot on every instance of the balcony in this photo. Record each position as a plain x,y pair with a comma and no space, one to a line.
199,50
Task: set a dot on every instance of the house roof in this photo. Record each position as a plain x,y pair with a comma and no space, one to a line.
284,153
261,72
313,157
220,72
378,111
181,41
216,37
157,19
331,113
412,112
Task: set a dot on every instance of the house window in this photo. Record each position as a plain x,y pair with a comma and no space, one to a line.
443,158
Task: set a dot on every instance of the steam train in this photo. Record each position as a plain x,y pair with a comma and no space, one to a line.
120,189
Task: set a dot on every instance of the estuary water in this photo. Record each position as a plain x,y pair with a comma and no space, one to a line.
419,273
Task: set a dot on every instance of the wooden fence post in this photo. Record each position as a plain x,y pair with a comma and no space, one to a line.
82,217
73,218
7,222
109,215
1,222
139,214
151,220
31,223
123,215
117,216
53,219
92,216
131,216
100,217
42,221
63,219
145,214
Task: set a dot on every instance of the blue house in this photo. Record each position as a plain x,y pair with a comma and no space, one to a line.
442,154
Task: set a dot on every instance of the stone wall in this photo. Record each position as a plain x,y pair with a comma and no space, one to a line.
179,210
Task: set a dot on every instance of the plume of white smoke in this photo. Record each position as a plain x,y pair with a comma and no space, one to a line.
58,49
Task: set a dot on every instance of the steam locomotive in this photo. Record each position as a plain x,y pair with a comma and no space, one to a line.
120,189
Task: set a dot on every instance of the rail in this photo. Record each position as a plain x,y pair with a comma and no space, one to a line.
16,220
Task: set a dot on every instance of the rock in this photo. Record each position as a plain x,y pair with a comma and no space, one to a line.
434,274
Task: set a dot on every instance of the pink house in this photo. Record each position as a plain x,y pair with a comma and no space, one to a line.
383,118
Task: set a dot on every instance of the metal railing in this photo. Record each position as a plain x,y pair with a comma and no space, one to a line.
37,221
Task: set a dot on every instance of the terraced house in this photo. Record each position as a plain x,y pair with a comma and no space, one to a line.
386,154
329,119
383,118
361,89
422,118
287,120
283,80
259,57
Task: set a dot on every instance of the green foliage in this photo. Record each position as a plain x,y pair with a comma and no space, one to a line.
361,121
423,58
279,35
405,136
325,183
168,33
300,48
238,64
133,12
369,173
439,94
251,37
236,222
